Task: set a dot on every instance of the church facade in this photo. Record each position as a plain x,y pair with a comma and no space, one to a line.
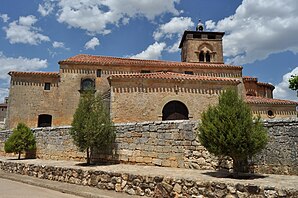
141,90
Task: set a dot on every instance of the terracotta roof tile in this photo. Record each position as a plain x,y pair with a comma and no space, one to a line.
21,73
173,76
261,100
115,61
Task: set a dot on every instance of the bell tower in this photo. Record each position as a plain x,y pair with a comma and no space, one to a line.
201,47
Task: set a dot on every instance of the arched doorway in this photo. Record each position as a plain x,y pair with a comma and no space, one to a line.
175,110
44,120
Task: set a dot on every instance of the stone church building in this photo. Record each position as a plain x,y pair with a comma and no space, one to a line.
141,90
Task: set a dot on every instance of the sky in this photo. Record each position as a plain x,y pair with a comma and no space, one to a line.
260,35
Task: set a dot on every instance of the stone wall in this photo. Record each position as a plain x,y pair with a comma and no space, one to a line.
171,144
158,186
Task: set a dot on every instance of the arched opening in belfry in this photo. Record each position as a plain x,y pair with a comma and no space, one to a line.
208,57
44,120
201,56
175,110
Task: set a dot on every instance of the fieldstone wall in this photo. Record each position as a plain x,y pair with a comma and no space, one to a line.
146,185
171,144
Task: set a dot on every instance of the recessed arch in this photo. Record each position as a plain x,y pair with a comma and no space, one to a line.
175,110
87,84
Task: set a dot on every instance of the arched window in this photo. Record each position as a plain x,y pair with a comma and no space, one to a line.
201,56
175,110
44,120
87,84
208,57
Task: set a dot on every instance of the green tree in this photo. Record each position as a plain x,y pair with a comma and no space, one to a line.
228,129
21,139
91,125
293,83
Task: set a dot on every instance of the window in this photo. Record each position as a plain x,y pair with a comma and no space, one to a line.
145,71
87,84
201,57
44,120
207,57
98,73
270,113
211,36
47,86
189,72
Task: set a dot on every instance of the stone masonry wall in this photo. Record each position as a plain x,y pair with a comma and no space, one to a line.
146,185
171,144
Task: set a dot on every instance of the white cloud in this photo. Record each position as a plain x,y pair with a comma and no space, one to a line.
282,90
152,52
57,44
91,44
4,17
23,31
175,27
95,15
16,64
258,29
47,8
173,30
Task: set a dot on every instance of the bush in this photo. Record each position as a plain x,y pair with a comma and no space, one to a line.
21,139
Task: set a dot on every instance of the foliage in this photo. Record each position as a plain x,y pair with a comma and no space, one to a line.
293,82
228,129
22,139
91,125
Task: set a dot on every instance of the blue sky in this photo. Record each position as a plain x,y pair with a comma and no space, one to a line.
260,36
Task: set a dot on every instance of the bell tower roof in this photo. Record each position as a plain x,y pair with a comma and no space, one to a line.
200,35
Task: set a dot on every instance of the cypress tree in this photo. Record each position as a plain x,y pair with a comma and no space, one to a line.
228,129
91,125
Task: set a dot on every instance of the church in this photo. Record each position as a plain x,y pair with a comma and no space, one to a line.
141,90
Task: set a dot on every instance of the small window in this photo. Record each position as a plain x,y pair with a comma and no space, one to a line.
211,36
145,71
98,73
47,86
87,84
270,113
189,72
44,120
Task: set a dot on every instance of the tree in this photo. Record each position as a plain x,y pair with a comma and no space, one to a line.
21,139
228,129
293,83
91,125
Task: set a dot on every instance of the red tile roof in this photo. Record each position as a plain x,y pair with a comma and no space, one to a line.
20,73
115,61
173,76
261,100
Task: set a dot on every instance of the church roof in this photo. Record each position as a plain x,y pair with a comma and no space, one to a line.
173,76
21,73
115,61
261,100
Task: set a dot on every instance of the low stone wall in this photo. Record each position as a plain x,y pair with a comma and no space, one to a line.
146,185
171,144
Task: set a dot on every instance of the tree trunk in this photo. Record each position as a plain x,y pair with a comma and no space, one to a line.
239,166
88,156
19,157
